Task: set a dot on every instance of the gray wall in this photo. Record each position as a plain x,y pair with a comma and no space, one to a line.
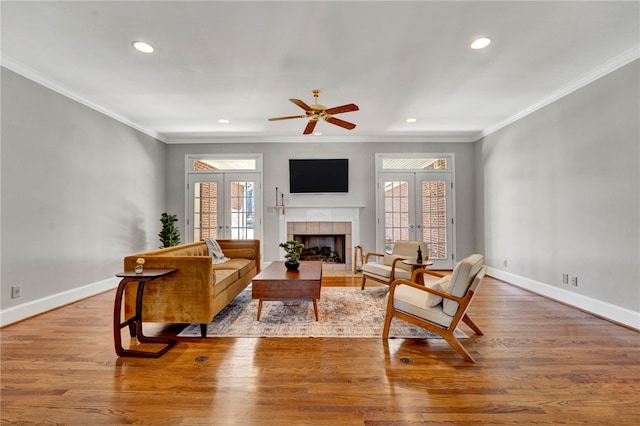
562,192
361,186
79,192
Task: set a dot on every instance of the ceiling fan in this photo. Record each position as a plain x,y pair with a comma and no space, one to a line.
316,112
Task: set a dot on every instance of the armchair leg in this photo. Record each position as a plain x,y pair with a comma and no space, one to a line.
387,325
472,325
203,330
364,278
455,344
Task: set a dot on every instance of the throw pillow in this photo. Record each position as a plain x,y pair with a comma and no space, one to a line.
441,285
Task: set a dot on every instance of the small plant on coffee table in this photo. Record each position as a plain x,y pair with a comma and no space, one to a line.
293,250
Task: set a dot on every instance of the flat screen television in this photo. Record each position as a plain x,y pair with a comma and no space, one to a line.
317,176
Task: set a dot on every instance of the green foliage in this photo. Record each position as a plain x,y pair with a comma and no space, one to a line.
170,235
293,249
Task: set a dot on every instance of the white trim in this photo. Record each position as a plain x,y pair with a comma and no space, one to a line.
39,78
602,309
197,138
36,307
604,69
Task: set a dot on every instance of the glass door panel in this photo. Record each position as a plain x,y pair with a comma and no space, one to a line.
243,214
205,195
435,227
417,206
223,205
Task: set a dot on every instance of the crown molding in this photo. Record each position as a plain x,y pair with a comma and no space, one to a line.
34,75
200,138
606,68
429,137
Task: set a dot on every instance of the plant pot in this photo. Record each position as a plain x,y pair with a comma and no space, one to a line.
292,265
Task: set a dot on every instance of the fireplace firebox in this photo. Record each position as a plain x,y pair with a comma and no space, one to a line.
327,248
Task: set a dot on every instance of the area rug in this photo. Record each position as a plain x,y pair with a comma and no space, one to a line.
343,312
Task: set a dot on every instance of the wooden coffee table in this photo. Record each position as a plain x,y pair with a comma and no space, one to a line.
278,283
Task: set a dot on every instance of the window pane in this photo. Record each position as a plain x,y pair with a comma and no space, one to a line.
414,163
225,164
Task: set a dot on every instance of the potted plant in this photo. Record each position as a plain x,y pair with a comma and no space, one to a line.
292,249
170,235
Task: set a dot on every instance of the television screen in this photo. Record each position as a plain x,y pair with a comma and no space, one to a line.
318,175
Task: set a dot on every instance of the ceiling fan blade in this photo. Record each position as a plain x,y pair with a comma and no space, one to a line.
341,109
310,126
287,118
301,104
340,123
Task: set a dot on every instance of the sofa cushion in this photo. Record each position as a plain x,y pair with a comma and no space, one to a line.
245,253
223,278
415,302
243,266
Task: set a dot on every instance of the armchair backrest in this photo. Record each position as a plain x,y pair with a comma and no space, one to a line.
461,280
406,249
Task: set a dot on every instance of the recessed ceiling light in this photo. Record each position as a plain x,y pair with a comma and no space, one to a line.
480,43
411,120
317,134
142,46
223,121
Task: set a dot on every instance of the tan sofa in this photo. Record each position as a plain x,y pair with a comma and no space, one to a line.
199,289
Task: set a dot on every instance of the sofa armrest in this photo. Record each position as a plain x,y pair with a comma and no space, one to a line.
192,281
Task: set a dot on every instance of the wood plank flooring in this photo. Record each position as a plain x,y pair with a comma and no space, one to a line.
539,362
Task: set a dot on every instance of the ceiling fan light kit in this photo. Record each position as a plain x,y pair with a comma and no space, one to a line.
317,112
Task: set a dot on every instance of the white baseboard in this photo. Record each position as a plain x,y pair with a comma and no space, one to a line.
35,307
602,309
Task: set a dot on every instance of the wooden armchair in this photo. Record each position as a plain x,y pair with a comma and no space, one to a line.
386,268
442,305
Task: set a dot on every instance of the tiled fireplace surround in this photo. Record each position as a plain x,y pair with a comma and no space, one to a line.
324,221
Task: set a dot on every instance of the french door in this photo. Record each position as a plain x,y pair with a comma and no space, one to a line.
223,205
417,206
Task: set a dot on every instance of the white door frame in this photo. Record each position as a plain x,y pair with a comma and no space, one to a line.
414,175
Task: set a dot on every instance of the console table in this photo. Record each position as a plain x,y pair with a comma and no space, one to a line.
136,321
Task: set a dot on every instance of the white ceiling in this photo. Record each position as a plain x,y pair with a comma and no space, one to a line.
242,61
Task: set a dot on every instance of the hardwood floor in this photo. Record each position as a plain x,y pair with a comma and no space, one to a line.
539,362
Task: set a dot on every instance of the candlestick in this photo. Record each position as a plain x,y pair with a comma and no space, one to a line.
276,195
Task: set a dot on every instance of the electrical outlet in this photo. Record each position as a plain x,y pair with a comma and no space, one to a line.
565,278
504,262
574,281
15,291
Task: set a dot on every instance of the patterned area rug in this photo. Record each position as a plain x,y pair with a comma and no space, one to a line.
342,312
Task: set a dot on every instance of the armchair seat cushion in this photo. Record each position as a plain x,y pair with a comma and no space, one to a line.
416,302
383,272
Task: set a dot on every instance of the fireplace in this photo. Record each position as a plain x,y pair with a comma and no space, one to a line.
326,248
339,221
329,242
